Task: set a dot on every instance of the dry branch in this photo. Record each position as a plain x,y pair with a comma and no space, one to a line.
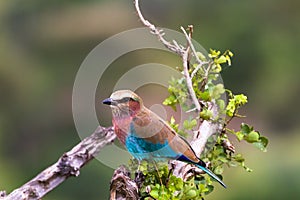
159,33
68,165
180,50
122,186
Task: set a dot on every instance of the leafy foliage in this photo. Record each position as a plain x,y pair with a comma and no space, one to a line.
178,94
159,182
248,134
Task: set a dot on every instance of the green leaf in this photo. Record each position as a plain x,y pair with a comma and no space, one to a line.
221,59
239,135
240,99
178,184
204,188
247,168
230,108
245,129
233,164
173,124
252,137
264,141
192,193
228,54
189,124
217,68
210,189
219,169
172,120
143,168
206,114
213,53
171,101
239,158
205,96
221,104
223,158
201,56
262,144
234,103
241,161
217,91
154,193
228,59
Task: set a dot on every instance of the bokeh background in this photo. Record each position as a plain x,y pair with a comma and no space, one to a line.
43,43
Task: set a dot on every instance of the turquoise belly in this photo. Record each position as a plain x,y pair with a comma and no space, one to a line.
141,149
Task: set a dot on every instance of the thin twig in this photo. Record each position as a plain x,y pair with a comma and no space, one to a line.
191,46
185,62
189,82
159,33
176,49
195,71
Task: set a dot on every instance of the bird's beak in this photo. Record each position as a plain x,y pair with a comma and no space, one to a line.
109,101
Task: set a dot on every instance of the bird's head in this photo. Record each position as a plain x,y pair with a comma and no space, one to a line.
124,102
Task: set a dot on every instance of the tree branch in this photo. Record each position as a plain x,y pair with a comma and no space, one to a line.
159,33
181,51
185,63
68,165
122,186
190,44
189,80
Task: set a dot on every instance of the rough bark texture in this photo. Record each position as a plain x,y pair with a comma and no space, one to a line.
68,165
122,187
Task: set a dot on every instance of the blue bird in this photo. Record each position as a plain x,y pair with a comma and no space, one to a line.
146,135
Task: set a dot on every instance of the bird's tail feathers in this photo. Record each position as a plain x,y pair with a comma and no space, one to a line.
211,174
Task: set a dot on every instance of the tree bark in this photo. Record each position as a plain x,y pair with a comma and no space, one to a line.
69,164
122,187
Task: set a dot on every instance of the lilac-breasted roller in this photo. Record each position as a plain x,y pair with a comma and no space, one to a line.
146,135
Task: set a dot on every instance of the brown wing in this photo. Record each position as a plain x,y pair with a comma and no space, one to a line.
152,128
179,144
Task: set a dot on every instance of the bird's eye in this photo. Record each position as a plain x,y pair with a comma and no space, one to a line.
126,99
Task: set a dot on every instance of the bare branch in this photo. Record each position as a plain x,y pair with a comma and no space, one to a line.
195,70
122,186
189,81
159,33
188,39
176,49
206,130
68,165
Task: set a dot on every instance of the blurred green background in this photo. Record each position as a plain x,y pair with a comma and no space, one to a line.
43,43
